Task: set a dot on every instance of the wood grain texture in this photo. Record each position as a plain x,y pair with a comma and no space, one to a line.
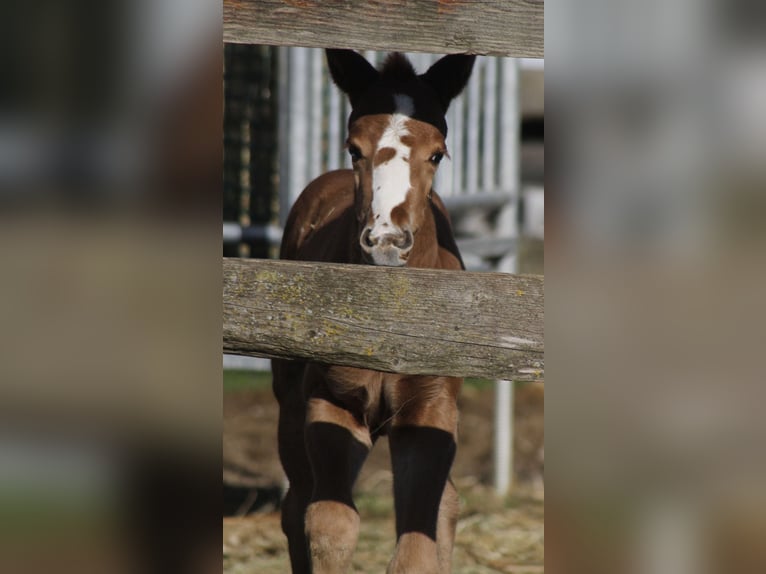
413,321
490,27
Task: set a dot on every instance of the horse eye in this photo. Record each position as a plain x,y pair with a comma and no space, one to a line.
436,158
355,153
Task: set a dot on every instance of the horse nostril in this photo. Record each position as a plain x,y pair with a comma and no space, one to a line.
366,240
405,242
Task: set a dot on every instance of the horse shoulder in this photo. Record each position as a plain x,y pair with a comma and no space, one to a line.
326,203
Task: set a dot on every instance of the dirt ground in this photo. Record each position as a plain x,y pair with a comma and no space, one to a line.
493,534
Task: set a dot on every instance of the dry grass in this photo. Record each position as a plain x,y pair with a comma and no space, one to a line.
493,535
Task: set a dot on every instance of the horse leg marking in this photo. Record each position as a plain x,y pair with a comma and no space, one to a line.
338,445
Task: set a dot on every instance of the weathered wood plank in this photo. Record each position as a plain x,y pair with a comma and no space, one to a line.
414,321
493,27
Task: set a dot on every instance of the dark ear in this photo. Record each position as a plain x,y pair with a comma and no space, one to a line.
350,72
449,75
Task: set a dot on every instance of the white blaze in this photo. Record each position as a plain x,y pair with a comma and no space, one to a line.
391,179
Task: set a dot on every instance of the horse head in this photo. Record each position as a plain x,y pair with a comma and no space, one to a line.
396,139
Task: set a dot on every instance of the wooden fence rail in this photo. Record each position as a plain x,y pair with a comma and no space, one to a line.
412,321
491,27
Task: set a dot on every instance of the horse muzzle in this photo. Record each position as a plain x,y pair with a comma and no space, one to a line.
391,248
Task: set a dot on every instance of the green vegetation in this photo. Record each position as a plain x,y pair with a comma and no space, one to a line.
478,384
374,505
246,380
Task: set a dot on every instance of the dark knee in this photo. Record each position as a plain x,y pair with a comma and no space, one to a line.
336,458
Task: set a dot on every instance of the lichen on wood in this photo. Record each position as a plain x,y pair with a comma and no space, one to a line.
413,321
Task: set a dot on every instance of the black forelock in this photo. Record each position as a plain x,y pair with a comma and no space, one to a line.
397,67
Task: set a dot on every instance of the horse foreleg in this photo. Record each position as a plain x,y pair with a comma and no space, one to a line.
421,459
337,445
422,440
292,453
293,512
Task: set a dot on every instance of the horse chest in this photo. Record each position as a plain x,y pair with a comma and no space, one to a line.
372,396
375,397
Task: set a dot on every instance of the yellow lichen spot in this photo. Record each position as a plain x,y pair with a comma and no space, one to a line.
266,275
398,292
291,292
519,292
347,312
332,330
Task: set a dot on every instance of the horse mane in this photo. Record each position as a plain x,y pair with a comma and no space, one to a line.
396,66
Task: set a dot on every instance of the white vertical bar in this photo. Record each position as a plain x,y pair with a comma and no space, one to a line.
299,124
509,125
314,150
456,145
283,132
510,147
503,436
489,126
472,129
334,133
345,111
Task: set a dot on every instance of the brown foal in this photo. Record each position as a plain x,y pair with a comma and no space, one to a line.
383,212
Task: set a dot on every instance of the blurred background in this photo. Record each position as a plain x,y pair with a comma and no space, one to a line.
655,281
110,211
